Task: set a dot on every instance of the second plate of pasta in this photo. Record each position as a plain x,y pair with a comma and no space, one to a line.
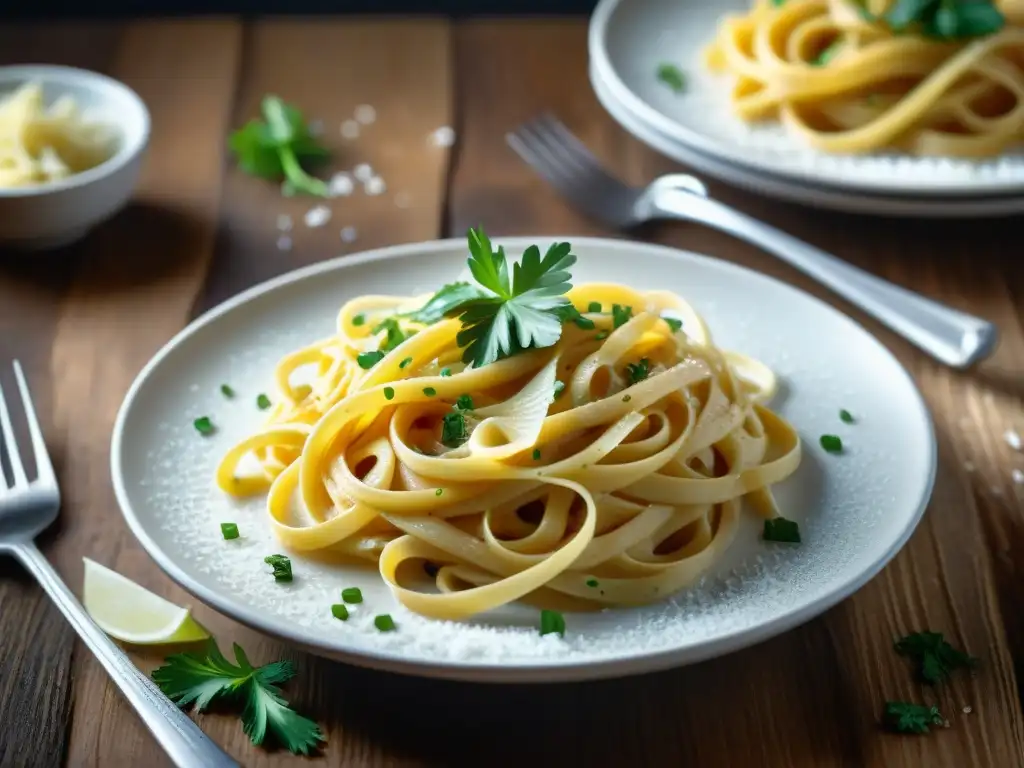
853,94
536,460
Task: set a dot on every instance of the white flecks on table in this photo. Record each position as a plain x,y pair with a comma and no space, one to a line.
350,129
375,186
1018,476
284,222
1012,438
284,243
443,136
318,216
363,172
348,234
365,114
340,185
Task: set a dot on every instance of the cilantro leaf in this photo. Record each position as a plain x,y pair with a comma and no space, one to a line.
935,657
903,717
275,147
202,678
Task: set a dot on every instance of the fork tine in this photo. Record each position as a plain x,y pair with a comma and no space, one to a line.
44,468
564,139
13,456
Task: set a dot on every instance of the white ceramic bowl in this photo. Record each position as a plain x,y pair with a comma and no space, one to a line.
57,213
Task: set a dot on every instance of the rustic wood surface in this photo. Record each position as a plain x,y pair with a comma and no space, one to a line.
86,319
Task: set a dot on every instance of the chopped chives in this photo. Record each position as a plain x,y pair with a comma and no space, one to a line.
552,622
389,393
359,320
439,491
536,454
592,583
352,595
339,611
367,360
446,371
282,567
229,531
845,416
621,314
594,306
429,391
781,529
384,622
673,324
464,403
262,402
832,443
672,76
203,426
405,362
226,390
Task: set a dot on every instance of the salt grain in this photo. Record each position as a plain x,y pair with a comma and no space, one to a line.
375,186
350,129
363,172
284,222
1012,438
348,234
1018,476
967,710
443,136
402,200
340,185
318,216
284,243
366,114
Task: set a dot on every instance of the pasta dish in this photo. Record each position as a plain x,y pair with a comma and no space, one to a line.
856,76
39,145
516,437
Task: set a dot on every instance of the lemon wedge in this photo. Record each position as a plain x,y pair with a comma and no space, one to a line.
133,614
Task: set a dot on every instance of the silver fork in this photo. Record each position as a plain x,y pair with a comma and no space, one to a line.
951,336
26,509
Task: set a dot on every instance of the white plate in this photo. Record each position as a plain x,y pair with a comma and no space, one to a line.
800,192
630,38
855,510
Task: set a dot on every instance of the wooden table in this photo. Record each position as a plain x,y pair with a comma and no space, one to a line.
85,320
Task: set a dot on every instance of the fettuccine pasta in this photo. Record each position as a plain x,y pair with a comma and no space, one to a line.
843,81
609,469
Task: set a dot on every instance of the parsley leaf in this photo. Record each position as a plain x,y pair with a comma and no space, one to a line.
282,567
524,312
621,315
273,148
672,76
935,658
200,679
782,530
395,334
449,299
903,717
453,429
637,372
946,19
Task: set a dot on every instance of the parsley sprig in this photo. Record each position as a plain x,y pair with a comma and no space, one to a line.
276,147
943,19
935,658
903,717
202,678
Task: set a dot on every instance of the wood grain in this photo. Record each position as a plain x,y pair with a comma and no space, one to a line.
87,318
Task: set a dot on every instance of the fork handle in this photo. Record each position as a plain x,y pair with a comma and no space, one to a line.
181,738
954,337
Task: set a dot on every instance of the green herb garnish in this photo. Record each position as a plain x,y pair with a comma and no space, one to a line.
536,454
672,76
903,717
226,390
282,567
464,403
204,426
674,325
367,360
832,443
621,315
626,398
229,531
781,529
845,416
439,491
594,306
359,320
446,372
453,429
262,402
945,19
405,362
275,147
389,393
339,611
601,336
395,335
592,583
935,658
449,300
637,372
202,678
827,54
429,391
352,595
384,622
552,622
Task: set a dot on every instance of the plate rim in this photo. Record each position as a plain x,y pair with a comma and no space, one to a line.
858,202
597,34
541,670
